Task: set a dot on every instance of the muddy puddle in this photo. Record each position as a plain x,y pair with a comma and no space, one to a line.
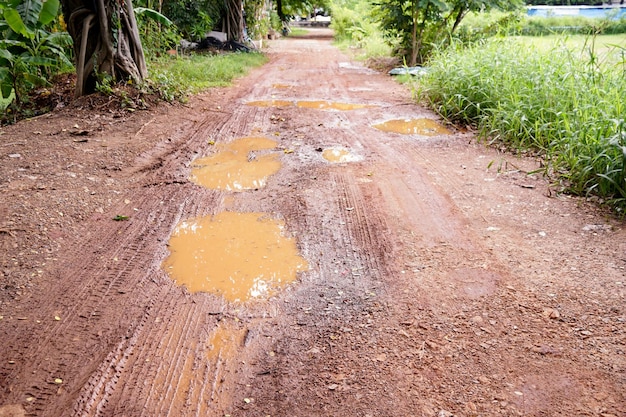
243,164
339,155
270,103
311,104
331,105
240,256
424,127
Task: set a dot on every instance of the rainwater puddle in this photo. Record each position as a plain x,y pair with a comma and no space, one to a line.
270,103
238,165
240,256
339,155
330,105
311,104
424,127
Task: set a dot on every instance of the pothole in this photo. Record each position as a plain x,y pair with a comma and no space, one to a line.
240,256
424,127
339,155
331,105
270,103
237,166
311,104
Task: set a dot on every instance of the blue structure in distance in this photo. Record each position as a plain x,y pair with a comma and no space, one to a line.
596,12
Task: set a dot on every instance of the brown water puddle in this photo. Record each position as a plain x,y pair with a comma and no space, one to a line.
270,103
315,104
240,256
424,127
330,105
237,166
282,86
339,155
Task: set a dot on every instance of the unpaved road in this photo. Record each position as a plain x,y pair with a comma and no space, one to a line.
443,280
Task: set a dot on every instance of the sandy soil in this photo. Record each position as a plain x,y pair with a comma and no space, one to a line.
443,278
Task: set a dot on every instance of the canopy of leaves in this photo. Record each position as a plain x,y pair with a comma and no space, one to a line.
419,25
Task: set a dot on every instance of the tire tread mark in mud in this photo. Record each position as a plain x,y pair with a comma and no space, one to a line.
178,366
363,224
81,297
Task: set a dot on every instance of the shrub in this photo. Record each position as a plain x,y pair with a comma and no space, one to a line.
566,107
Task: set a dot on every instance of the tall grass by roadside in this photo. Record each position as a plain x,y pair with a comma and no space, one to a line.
176,77
567,105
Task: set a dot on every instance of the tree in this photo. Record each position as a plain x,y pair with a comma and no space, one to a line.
106,41
418,24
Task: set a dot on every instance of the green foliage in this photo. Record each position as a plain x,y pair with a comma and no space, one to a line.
194,18
539,26
176,77
352,20
566,105
419,26
158,33
29,52
480,25
260,19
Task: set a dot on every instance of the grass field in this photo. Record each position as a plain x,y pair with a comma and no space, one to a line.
610,48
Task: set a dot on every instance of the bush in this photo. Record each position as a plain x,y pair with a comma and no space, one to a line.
567,108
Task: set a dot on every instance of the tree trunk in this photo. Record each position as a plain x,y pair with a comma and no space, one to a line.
106,41
414,45
234,20
279,10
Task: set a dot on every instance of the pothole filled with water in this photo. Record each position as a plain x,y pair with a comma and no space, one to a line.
240,256
424,127
311,104
270,103
339,155
330,105
237,166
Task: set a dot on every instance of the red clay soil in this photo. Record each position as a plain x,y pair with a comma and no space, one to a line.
444,278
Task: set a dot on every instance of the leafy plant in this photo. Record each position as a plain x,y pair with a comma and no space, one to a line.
421,25
29,53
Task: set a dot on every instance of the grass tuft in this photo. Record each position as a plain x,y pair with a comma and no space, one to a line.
177,77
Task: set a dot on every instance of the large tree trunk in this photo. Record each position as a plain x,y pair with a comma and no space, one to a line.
234,22
106,41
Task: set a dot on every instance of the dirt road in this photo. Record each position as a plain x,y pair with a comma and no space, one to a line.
442,279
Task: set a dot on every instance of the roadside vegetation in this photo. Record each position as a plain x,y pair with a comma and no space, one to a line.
177,78
566,105
550,87
37,54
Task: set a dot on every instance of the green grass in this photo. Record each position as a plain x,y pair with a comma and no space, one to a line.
569,109
177,77
606,47
295,31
